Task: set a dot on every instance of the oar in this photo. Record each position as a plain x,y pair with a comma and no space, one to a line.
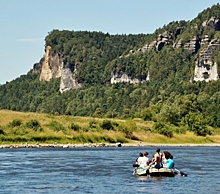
181,172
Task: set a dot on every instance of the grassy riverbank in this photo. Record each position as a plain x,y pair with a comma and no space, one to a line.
34,128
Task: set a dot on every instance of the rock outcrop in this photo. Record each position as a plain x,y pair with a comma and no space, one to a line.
67,81
52,66
193,45
123,77
205,68
213,22
162,40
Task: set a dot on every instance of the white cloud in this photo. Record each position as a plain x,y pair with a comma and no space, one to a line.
30,39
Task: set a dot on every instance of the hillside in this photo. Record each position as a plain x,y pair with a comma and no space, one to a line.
170,77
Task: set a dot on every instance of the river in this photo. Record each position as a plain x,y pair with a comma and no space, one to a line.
105,170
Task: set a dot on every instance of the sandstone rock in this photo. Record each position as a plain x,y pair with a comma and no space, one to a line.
52,65
67,81
193,45
213,22
205,68
123,77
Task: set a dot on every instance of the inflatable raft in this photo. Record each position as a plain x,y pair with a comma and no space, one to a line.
154,172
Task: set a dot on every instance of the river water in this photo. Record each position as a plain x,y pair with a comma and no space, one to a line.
105,170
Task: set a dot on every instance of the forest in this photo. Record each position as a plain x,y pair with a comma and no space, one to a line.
170,100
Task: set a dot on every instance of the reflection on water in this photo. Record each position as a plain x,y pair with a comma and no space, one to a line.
105,170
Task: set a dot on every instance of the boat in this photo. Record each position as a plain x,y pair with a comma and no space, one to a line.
154,172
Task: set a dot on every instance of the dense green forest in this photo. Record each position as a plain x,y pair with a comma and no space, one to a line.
169,98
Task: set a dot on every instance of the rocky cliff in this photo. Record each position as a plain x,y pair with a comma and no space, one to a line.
52,66
68,81
205,68
123,77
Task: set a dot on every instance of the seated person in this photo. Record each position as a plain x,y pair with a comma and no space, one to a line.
145,160
157,160
137,164
170,163
166,156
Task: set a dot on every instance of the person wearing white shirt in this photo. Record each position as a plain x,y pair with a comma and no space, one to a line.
143,160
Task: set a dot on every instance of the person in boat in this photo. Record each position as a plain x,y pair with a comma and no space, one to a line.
143,160
170,162
166,156
146,160
157,162
135,165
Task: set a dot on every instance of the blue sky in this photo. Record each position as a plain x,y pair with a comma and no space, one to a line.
25,23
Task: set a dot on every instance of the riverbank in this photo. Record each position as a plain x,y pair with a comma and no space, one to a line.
18,130
89,145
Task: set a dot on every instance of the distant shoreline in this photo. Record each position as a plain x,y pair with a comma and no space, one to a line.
141,144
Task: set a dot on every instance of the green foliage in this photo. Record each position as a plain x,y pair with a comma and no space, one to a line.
74,127
56,126
93,124
34,124
15,123
131,125
180,130
107,125
128,128
163,129
197,124
1,131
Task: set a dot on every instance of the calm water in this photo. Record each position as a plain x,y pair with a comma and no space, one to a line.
105,170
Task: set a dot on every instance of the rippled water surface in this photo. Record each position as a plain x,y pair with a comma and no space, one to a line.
105,170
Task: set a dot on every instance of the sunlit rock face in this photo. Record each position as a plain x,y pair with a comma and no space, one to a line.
123,77
51,65
67,81
205,68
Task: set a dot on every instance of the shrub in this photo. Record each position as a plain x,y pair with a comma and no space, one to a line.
92,124
201,130
34,124
180,130
106,124
74,127
15,123
163,129
2,131
56,126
